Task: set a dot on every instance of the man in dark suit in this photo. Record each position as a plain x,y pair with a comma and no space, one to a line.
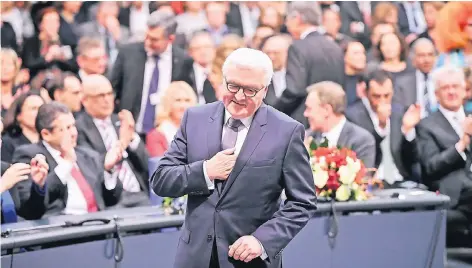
99,129
417,87
79,180
357,20
306,65
411,20
142,71
216,16
234,173
444,147
391,126
325,106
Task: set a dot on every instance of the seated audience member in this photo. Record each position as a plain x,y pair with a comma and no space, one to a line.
9,68
67,89
48,50
91,57
216,18
325,107
355,62
19,196
262,32
79,179
270,16
100,129
19,124
392,128
331,22
276,47
176,99
377,31
444,146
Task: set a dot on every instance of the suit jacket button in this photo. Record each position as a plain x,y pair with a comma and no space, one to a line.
209,238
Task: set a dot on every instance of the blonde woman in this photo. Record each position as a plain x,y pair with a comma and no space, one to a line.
10,67
176,99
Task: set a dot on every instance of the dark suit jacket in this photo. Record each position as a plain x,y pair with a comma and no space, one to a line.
89,136
350,12
27,196
91,166
233,18
8,37
405,90
443,168
128,73
271,98
403,25
403,152
249,204
304,68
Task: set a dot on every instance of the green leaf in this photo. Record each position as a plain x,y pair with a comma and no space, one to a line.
324,143
313,145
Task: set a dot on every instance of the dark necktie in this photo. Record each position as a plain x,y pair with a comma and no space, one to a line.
427,103
150,109
8,208
108,39
229,141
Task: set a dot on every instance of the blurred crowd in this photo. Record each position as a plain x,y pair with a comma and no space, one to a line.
92,91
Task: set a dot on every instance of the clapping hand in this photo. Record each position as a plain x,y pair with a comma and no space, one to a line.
467,125
14,174
39,169
127,125
113,156
220,166
411,117
246,248
384,111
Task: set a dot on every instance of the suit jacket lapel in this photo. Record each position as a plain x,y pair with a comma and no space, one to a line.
138,75
93,134
89,175
342,141
176,61
214,130
254,136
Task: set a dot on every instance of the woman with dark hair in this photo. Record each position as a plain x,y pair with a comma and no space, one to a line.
20,123
393,55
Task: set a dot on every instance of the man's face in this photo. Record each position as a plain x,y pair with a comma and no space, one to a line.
94,61
331,22
156,41
108,9
292,22
71,95
424,58
62,129
380,30
29,111
50,23
259,35
247,81
355,56
315,112
276,48
216,15
380,94
99,102
202,50
450,92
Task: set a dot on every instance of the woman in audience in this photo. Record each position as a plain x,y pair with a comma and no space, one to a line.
229,44
10,67
385,12
176,99
272,18
455,35
48,49
20,123
393,55
431,12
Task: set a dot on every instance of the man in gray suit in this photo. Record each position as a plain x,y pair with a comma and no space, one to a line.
233,159
312,58
325,106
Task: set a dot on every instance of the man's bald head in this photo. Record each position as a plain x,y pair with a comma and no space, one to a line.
98,98
424,55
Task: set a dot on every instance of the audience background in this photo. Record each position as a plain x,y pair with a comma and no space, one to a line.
127,71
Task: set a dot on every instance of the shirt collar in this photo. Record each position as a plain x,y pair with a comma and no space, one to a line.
308,31
200,68
54,153
335,132
246,121
103,122
165,54
451,115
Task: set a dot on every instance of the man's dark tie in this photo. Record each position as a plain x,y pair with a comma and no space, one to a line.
150,109
229,141
427,103
8,208
108,39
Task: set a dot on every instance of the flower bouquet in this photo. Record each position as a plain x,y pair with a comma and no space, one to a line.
339,175
174,206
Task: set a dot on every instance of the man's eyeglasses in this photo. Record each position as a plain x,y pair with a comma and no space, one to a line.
247,91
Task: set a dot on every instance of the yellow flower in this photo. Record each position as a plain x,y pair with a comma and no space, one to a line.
320,176
343,193
346,175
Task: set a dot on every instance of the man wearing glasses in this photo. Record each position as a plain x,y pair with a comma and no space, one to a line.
233,158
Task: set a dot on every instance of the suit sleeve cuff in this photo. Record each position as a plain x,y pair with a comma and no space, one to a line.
63,170
462,154
210,184
383,131
134,144
410,135
264,253
40,190
110,180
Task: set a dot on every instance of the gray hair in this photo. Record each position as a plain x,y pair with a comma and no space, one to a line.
47,113
309,12
86,43
250,58
330,93
447,71
421,42
164,19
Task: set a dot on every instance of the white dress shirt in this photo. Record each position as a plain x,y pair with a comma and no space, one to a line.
165,78
242,133
280,84
201,74
420,86
75,203
334,133
455,119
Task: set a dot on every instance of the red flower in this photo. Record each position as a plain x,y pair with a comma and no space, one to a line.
333,180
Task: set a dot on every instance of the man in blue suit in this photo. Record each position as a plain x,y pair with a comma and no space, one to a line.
233,159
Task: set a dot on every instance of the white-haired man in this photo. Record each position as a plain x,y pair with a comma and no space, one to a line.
444,147
233,158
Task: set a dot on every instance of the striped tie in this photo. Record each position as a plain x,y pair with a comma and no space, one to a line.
125,173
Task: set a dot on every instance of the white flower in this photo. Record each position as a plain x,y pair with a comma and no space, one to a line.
320,176
343,193
355,166
346,175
